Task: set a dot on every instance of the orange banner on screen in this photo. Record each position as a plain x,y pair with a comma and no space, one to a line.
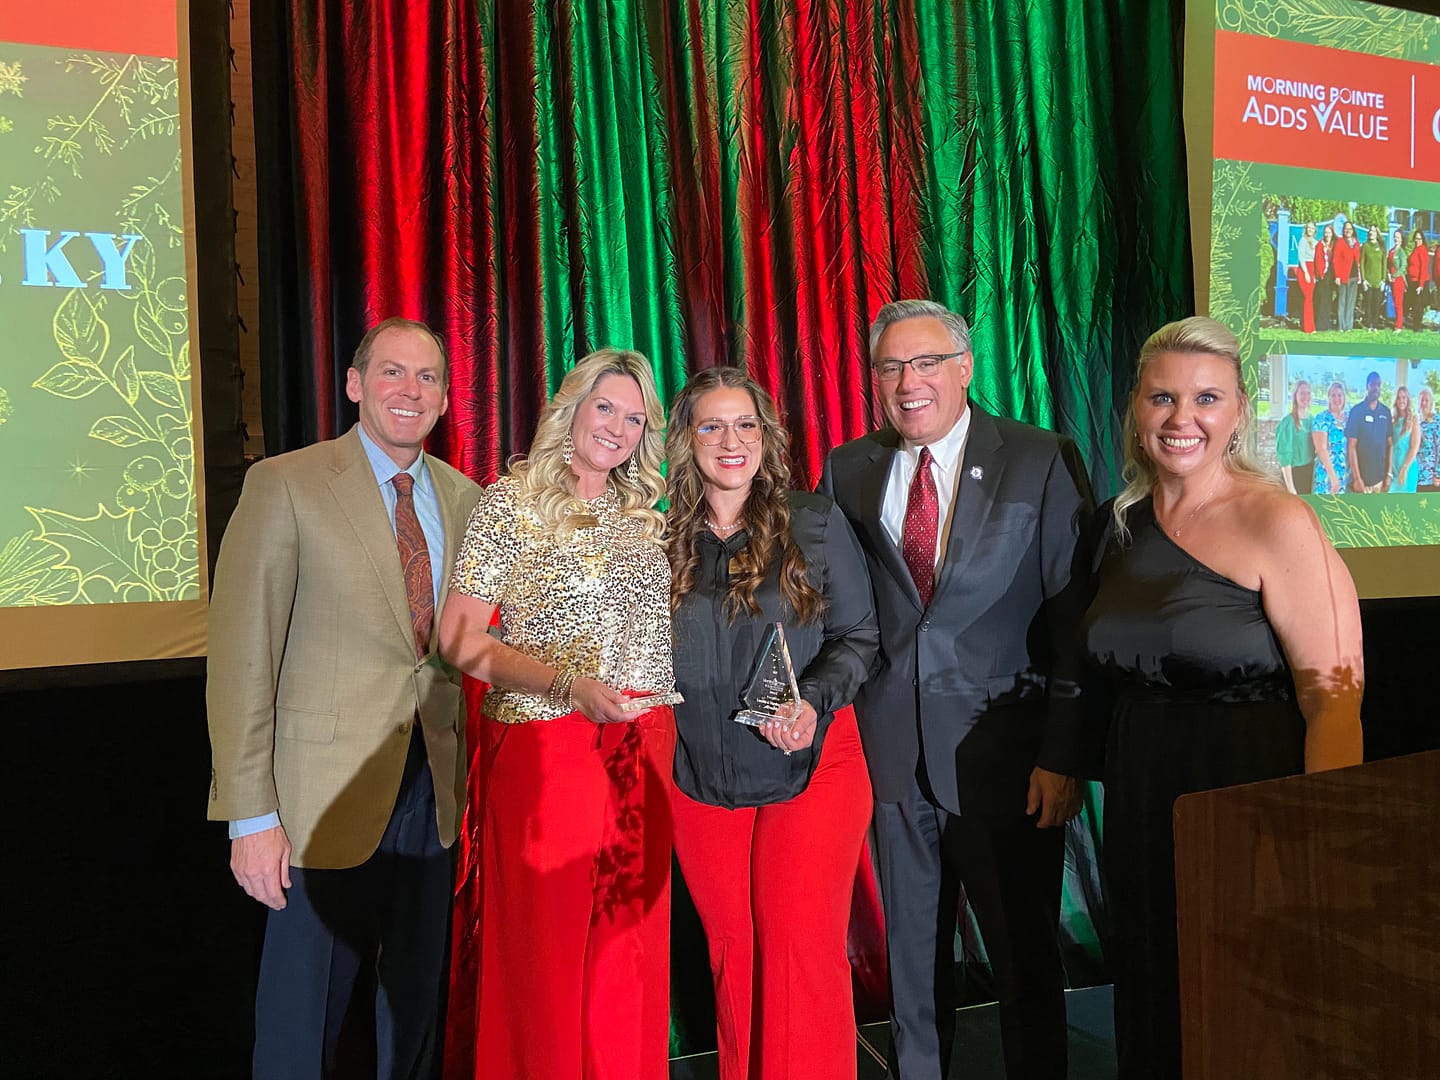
1290,104
144,27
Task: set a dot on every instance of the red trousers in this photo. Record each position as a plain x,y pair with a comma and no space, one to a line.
574,966
1397,293
1307,316
773,885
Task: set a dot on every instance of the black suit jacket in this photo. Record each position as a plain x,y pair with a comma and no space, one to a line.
984,682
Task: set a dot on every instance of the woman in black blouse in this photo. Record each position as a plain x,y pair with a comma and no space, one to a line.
769,821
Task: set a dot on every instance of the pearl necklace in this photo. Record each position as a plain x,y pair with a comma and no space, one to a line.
722,530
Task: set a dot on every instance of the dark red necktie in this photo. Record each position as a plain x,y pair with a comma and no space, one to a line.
414,562
922,527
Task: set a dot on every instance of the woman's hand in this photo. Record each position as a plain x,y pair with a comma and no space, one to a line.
796,733
600,703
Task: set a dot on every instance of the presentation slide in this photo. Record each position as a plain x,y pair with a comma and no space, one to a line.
101,549
1313,131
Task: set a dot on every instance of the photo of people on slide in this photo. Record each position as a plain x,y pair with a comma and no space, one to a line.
1351,425
1336,271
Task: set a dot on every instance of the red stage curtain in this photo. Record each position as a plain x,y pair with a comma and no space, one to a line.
723,181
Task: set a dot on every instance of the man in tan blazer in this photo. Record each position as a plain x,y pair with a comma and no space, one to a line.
337,733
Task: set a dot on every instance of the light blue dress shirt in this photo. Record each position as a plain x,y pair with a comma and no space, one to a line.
427,509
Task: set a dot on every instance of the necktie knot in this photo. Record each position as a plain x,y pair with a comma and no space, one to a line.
404,483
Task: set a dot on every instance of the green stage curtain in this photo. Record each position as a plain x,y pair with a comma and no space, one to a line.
724,182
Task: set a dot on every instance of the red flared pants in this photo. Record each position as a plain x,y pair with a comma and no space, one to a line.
1307,309
574,964
773,885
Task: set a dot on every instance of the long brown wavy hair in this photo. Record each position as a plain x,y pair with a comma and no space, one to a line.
766,514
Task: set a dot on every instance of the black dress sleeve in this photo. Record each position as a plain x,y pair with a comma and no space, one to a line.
1066,528
1097,700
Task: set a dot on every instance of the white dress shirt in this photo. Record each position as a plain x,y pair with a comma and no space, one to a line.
946,454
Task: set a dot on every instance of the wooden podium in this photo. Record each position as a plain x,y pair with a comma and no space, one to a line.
1309,921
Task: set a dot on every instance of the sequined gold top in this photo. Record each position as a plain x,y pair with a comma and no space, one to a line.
596,602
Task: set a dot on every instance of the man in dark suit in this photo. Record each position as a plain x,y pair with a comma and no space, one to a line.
337,733
970,716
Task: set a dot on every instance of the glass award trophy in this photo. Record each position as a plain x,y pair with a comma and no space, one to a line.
622,674
772,687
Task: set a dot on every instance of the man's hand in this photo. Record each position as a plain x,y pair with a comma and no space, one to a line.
261,865
1054,797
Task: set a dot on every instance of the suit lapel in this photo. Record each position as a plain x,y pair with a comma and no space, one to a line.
975,497
445,495
872,500
355,489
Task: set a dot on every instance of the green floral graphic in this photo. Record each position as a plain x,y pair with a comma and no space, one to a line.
142,546
113,364
1366,521
33,573
135,96
1234,253
1339,24
11,80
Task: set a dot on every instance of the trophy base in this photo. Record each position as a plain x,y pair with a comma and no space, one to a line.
653,701
755,718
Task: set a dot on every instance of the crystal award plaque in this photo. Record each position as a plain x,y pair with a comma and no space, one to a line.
653,701
772,687
622,675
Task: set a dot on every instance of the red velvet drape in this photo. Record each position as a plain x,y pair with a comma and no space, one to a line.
753,198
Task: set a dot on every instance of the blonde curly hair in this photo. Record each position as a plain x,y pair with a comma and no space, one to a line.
547,482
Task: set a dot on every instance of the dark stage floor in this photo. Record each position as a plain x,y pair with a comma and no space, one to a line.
977,1044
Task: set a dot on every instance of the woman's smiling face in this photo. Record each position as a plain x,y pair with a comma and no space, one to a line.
1187,408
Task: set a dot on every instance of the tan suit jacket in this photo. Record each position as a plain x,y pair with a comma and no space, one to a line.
313,681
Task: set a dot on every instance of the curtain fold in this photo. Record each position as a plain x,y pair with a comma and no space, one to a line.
723,182
719,181
1077,207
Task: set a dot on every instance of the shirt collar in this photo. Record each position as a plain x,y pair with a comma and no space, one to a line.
385,468
945,451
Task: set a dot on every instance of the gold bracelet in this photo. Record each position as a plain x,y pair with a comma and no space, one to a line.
561,693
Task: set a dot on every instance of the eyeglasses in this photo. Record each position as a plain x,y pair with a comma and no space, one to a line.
928,364
712,432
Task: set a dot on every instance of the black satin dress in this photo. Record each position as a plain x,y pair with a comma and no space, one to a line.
1201,698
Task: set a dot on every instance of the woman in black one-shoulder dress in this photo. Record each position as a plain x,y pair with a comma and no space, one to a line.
1227,633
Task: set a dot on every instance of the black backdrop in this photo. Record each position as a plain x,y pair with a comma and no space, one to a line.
129,951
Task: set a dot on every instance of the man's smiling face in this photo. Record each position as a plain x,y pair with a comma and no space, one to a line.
401,392
923,409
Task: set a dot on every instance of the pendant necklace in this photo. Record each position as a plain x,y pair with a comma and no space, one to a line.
1175,532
